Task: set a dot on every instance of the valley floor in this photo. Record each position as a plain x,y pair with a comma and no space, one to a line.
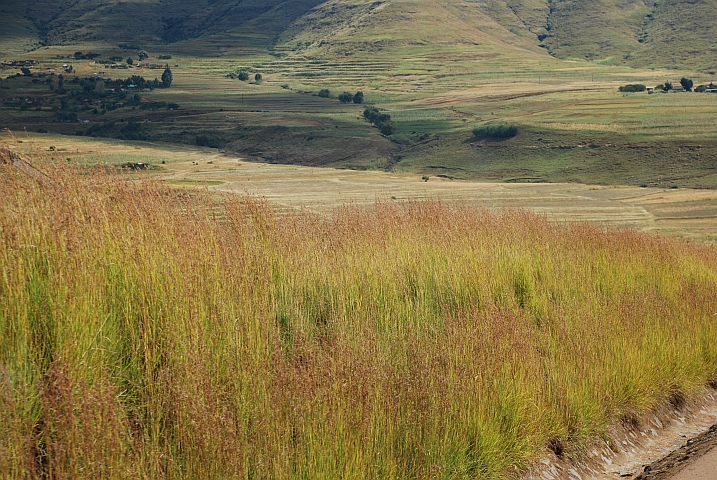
681,212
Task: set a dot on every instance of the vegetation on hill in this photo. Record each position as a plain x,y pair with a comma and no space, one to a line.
148,331
495,132
612,31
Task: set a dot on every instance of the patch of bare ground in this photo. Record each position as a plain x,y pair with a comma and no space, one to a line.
651,447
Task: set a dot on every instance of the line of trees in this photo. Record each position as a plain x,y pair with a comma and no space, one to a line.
495,132
382,120
633,88
344,97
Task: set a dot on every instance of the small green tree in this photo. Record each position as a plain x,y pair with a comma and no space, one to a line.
243,75
130,61
167,77
26,71
258,78
358,98
387,128
667,87
324,93
687,83
346,97
142,55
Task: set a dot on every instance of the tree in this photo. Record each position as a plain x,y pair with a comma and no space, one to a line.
167,77
258,78
687,83
358,98
324,93
667,87
243,75
346,97
130,61
388,128
26,71
142,55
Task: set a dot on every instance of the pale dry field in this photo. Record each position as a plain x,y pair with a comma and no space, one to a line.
680,212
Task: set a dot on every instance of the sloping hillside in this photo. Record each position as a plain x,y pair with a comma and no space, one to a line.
68,22
671,33
402,29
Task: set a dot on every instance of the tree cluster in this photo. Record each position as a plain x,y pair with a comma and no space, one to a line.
242,75
633,88
495,132
382,120
348,97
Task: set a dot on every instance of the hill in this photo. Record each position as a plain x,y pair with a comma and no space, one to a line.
669,33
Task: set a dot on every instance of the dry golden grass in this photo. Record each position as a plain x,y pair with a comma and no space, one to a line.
148,331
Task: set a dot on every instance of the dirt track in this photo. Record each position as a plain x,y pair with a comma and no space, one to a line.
702,468
695,460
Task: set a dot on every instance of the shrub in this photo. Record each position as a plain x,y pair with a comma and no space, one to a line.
687,83
495,132
243,75
324,93
358,98
346,97
258,78
633,88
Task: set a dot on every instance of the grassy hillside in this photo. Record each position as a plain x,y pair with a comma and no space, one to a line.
156,332
253,22
670,33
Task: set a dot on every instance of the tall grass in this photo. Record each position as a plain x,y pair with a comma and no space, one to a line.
152,332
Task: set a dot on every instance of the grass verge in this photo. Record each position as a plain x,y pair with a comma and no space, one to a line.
150,331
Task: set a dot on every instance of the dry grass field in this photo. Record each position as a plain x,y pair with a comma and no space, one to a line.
154,331
682,212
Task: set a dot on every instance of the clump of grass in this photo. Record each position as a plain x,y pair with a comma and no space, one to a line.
495,132
147,331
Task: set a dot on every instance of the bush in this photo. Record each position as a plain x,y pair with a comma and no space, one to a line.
258,78
495,132
243,75
687,83
358,98
633,88
324,93
346,97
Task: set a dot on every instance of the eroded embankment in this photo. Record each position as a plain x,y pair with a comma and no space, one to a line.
652,447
